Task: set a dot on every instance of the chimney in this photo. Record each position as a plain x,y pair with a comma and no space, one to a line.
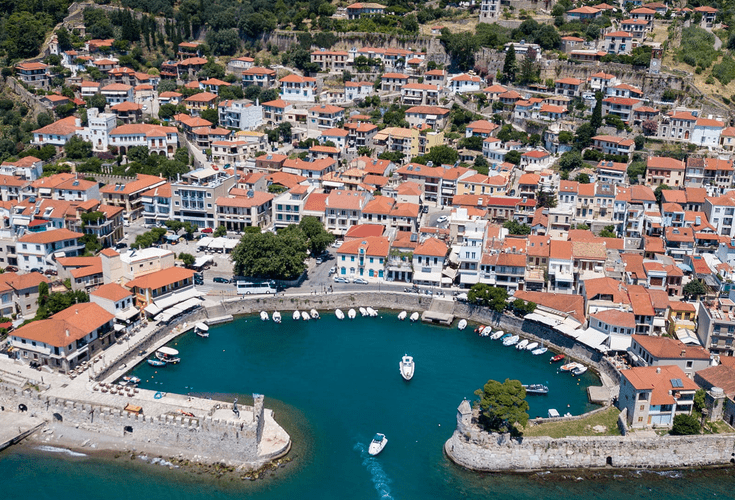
67,332
76,311
658,369
683,353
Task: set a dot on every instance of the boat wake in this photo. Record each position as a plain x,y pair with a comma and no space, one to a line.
380,479
54,449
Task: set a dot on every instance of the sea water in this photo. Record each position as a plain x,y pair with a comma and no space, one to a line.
333,385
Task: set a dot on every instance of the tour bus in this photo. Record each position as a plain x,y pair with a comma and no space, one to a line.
248,288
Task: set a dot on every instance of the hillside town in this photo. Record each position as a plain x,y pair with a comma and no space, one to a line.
597,204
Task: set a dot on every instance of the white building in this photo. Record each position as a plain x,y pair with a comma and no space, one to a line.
38,250
465,83
298,88
243,115
707,132
99,126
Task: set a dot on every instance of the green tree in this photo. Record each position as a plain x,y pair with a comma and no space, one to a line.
318,238
608,232
439,155
510,66
187,258
488,296
77,148
502,406
695,288
149,238
571,160
596,120
699,400
516,228
583,178
270,256
211,115
513,156
657,192
545,199
640,141
635,169
220,231
685,425
98,101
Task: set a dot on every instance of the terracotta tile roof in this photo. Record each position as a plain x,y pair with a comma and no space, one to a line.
376,246
433,248
51,236
23,281
657,379
346,200
326,108
202,97
162,191
142,182
316,202
259,198
640,301
297,79
722,376
616,318
597,288
588,250
560,250
427,110
116,87
364,231
410,188
65,126
109,252
683,234
563,303
159,279
67,326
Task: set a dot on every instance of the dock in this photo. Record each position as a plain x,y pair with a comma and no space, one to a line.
14,427
437,317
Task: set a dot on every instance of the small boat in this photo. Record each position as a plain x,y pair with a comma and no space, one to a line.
513,340
314,314
371,312
479,329
407,367
296,315
506,337
462,324
486,332
276,317
569,366
377,444
539,351
557,358
363,312
156,362
497,335
579,370
201,330
131,380
168,355
536,389
351,314
402,315
553,413
305,316
522,344
414,317
339,314
263,316
532,346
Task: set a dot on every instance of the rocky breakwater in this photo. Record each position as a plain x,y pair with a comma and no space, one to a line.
473,448
173,425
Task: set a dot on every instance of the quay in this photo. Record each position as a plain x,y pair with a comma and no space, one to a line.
14,427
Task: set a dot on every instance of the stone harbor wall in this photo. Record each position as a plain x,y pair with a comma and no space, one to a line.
475,449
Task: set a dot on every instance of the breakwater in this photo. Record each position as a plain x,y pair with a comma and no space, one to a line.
473,448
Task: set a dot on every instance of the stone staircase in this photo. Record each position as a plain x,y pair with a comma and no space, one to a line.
13,379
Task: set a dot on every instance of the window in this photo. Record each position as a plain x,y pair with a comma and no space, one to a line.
640,419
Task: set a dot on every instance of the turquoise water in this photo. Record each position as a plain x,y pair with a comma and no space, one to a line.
333,385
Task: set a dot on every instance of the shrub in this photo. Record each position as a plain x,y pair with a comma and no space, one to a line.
697,47
725,70
685,425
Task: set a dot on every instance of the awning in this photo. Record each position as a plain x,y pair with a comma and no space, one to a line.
118,327
619,343
422,276
660,322
594,339
447,281
152,309
204,242
449,272
126,313
687,336
684,267
202,261
177,298
173,237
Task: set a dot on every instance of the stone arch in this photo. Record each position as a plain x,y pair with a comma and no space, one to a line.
608,461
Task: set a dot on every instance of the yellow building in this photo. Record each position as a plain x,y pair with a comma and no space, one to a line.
682,316
478,184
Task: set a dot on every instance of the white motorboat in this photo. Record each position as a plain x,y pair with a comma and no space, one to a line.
541,350
363,312
578,370
570,366
314,314
407,367
462,324
497,335
402,315
168,355
276,317
522,344
305,316
201,330
339,314
351,314
532,346
371,312
486,332
296,315
512,340
536,389
414,317
377,444
263,316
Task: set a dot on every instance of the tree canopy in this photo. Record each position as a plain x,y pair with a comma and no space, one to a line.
503,405
695,288
271,256
488,296
684,425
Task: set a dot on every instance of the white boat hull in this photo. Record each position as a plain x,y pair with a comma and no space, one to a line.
363,312
372,312
540,351
532,346
407,367
305,316
415,317
296,315
497,335
522,344
486,331
314,314
402,315
277,317
351,314
263,315
339,314
462,324
511,341
377,446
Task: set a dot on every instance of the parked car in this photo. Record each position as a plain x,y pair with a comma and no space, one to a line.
360,281
207,230
198,281
35,270
121,245
425,209
219,279
319,260
338,279
333,270
442,219
11,269
50,272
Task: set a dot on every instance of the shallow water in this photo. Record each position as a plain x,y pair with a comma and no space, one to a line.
333,384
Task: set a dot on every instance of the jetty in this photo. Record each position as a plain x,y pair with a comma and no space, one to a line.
14,427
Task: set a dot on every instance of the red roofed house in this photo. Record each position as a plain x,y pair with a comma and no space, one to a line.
357,10
262,77
612,145
34,74
66,339
38,250
428,262
664,170
663,351
199,102
653,395
158,284
20,293
465,83
238,212
568,86
325,116
621,107
129,195
676,126
298,88
330,60
343,209
363,258
619,42
707,132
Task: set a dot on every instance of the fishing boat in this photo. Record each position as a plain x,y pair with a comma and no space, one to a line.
522,344
497,335
532,346
407,367
339,314
557,358
314,314
363,312
276,317
569,366
168,355
377,444
506,337
479,329
305,316
536,389
579,370
462,324
296,315
201,330
541,350
402,315
263,316
513,340
156,362
414,317
486,332
372,312
130,380
351,314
